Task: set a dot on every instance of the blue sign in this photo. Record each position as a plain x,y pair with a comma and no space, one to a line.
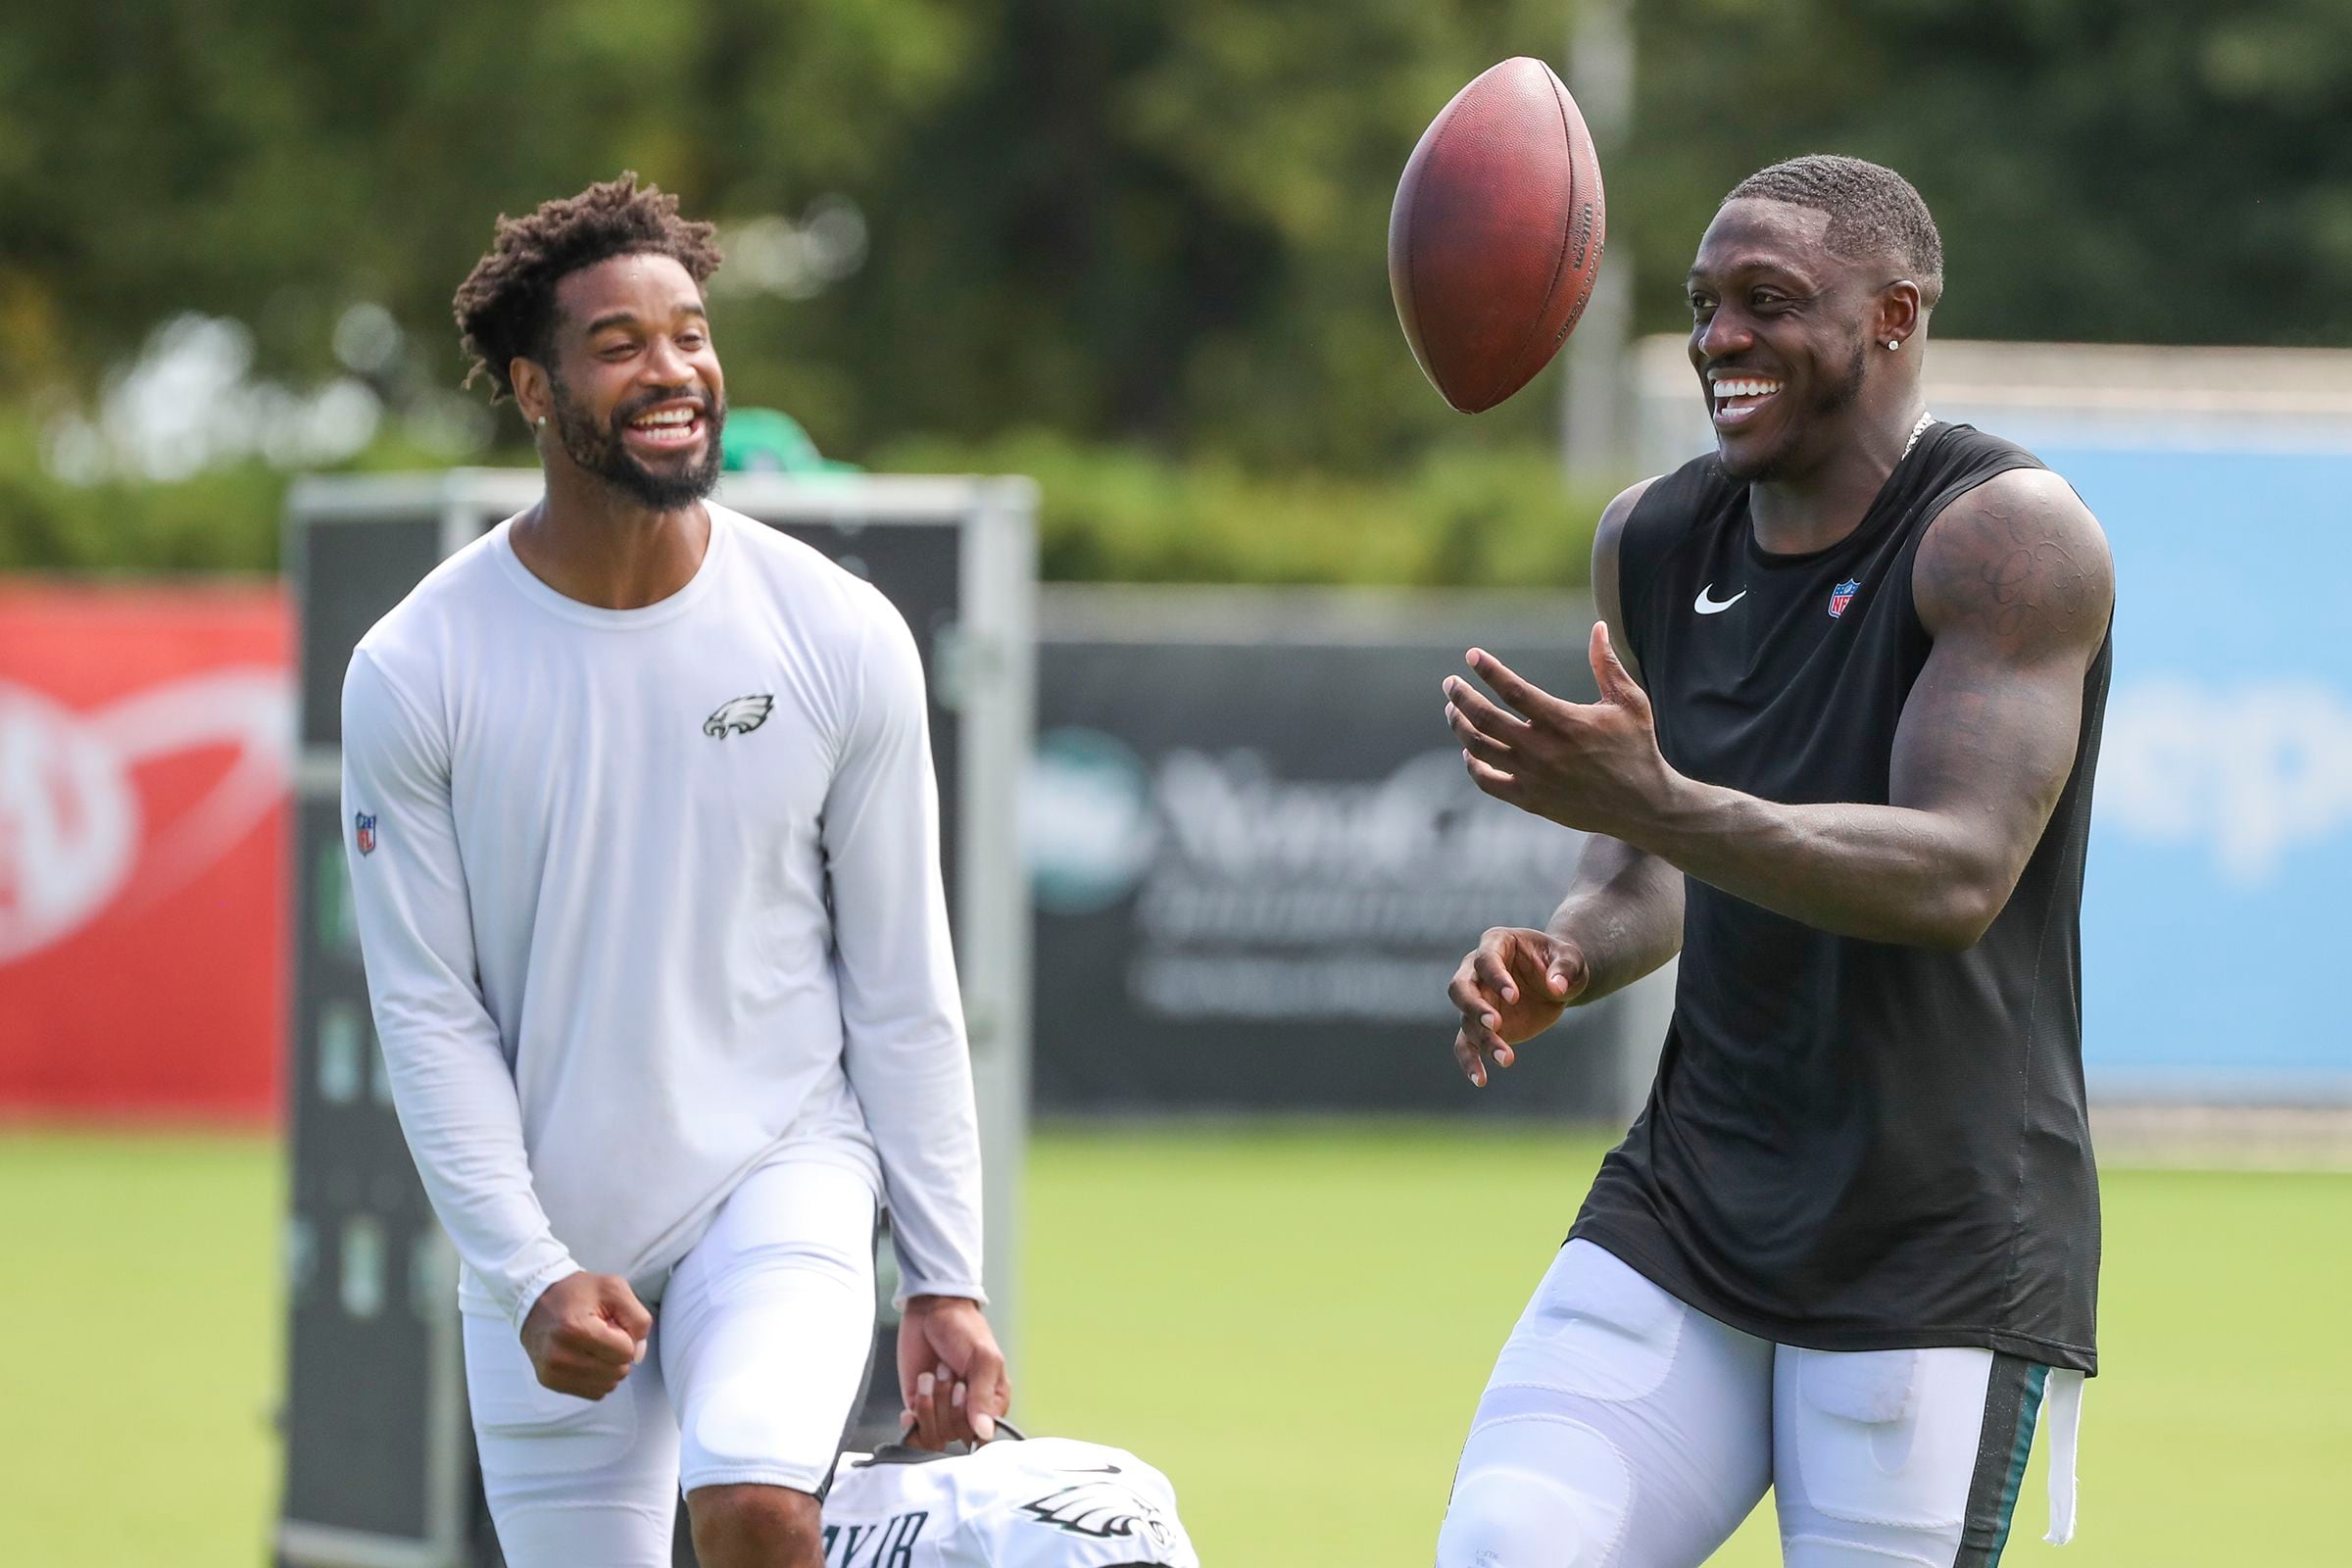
2215,923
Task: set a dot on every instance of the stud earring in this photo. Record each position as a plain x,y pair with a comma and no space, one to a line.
543,417
1891,346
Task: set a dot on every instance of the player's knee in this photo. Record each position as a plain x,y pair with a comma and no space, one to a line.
755,1527
1510,1518
1536,1494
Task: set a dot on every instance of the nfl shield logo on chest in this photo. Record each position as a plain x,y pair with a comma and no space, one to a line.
362,828
1844,595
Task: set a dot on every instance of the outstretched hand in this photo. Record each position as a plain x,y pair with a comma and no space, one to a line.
1594,765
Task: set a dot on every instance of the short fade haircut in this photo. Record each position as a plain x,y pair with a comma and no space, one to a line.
507,306
1873,211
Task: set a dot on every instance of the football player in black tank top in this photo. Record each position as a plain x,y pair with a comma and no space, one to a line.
1851,670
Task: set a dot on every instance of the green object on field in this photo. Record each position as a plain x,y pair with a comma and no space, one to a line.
770,441
1293,1322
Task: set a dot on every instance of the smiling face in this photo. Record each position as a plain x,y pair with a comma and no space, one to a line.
633,383
1781,333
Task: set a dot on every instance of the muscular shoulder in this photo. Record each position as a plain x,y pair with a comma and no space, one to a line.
1649,522
1609,583
2020,563
1609,534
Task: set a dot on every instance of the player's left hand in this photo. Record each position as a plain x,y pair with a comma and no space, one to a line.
1595,766
950,1373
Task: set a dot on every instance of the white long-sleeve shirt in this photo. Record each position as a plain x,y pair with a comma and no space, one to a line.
650,899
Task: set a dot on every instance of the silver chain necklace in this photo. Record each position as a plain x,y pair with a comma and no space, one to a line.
1917,430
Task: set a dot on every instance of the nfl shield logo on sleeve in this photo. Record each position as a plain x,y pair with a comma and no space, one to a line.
363,830
1844,595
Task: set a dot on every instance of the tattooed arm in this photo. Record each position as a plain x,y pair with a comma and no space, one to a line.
2015,585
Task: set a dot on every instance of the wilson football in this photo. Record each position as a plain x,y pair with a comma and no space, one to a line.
1496,232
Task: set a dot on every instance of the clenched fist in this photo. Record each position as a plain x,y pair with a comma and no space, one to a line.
584,1334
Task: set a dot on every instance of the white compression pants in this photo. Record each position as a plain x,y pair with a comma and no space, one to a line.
757,1352
1622,1429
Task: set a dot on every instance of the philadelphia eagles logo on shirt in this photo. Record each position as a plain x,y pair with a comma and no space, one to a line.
1103,1510
739,715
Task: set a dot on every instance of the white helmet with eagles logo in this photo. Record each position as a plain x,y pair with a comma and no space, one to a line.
1036,1503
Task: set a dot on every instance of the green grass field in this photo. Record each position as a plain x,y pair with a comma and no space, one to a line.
1292,1322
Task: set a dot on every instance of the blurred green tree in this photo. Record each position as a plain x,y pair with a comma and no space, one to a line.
1113,217
275,160
2120,170
1123,221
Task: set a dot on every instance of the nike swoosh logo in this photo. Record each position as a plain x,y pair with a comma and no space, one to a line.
1706,605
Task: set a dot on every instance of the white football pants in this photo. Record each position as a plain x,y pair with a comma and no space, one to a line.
1623,1429
758,1353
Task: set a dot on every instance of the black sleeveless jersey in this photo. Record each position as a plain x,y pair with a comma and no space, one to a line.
1849,1145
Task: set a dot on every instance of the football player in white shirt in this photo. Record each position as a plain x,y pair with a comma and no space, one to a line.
645,854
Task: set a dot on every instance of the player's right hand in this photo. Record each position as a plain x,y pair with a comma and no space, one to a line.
584,1334
1511,987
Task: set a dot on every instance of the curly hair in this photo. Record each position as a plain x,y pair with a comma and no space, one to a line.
506,304
1873,211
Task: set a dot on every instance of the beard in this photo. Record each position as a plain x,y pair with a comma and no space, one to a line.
1780,459
599,450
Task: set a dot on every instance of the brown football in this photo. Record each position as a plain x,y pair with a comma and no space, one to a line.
1495,236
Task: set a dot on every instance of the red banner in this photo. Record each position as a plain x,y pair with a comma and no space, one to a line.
146,751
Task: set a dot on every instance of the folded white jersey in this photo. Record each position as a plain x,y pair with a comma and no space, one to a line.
1040,1503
